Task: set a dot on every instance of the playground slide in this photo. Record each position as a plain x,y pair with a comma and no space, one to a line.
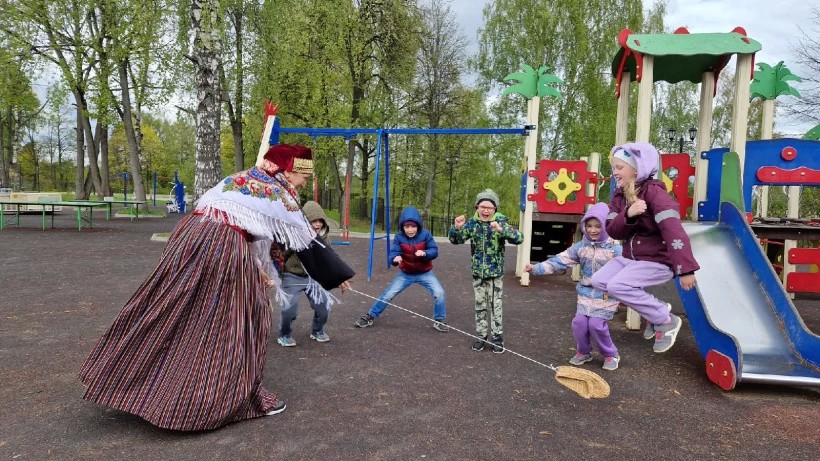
745,325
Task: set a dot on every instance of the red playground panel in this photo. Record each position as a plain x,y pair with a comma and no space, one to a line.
570,180
803,282
680,185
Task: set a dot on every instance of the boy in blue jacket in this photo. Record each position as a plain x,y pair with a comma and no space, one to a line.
413,250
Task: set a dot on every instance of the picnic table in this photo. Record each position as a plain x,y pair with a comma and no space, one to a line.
133,206
84,211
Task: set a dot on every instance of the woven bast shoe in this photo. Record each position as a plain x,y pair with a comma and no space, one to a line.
585,383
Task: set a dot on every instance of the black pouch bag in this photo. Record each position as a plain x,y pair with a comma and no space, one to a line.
324,265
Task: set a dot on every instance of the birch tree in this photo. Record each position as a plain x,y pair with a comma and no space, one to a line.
206,52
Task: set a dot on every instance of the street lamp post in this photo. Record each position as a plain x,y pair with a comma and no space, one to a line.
671,136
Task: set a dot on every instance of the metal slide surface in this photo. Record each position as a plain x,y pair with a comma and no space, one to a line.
740,304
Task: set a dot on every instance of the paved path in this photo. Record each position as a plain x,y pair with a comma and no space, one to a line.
399,390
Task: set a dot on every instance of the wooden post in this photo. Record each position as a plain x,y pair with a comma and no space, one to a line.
622,120
740,109
643,114
793,211
766,128
707,91
530,147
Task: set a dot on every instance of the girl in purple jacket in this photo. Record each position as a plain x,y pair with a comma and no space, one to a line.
655,247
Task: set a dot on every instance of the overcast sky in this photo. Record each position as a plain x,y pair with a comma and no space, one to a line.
777,36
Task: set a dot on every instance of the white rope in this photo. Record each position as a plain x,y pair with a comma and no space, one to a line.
550,366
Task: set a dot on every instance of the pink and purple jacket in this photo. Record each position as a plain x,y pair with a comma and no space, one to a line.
591,255
655,235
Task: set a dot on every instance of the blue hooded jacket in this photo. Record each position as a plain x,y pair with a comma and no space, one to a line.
406,247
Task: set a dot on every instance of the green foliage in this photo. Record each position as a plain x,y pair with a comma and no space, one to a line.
571,36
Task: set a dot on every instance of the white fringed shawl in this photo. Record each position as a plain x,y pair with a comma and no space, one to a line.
267,208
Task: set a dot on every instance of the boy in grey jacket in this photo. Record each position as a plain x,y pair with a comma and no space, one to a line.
295,281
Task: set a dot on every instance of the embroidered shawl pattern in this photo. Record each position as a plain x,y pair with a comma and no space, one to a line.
267,208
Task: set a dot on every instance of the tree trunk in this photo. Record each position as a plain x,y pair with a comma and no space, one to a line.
79,177
205,24
337,180
105,173
90,146
130,134
237,120
365,177
344,213
431,179
4,172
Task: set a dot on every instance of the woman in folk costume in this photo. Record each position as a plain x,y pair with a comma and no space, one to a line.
187,351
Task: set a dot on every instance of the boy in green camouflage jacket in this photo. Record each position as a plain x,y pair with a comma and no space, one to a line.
488,232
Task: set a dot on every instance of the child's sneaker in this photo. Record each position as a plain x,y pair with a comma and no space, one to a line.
649,331
365,321
580,359
498,344
479,344
286,341
320,336
665,334
441,325
611,363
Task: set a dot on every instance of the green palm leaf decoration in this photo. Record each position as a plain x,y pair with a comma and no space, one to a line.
770,82
527,85
813,134
530,83
547,83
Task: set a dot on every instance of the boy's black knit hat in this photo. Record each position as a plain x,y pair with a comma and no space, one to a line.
487,194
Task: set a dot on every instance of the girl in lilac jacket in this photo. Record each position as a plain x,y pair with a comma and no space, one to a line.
594,308
645,217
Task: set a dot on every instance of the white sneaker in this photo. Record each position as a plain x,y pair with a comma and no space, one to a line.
278,408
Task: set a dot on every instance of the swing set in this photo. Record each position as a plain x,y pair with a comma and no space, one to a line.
382,152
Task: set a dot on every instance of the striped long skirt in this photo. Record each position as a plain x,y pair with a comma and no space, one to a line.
187,352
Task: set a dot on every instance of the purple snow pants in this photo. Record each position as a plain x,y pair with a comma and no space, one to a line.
625,279
584,327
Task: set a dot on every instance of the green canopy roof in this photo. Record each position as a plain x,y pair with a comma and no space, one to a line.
680,56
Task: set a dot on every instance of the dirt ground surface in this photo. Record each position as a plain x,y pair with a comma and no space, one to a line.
396,391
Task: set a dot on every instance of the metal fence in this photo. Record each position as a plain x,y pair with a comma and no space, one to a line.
438,225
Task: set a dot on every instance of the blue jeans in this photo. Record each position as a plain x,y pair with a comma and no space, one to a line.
402,281
293,285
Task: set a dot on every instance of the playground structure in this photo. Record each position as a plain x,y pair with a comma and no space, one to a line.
742,317
745,324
